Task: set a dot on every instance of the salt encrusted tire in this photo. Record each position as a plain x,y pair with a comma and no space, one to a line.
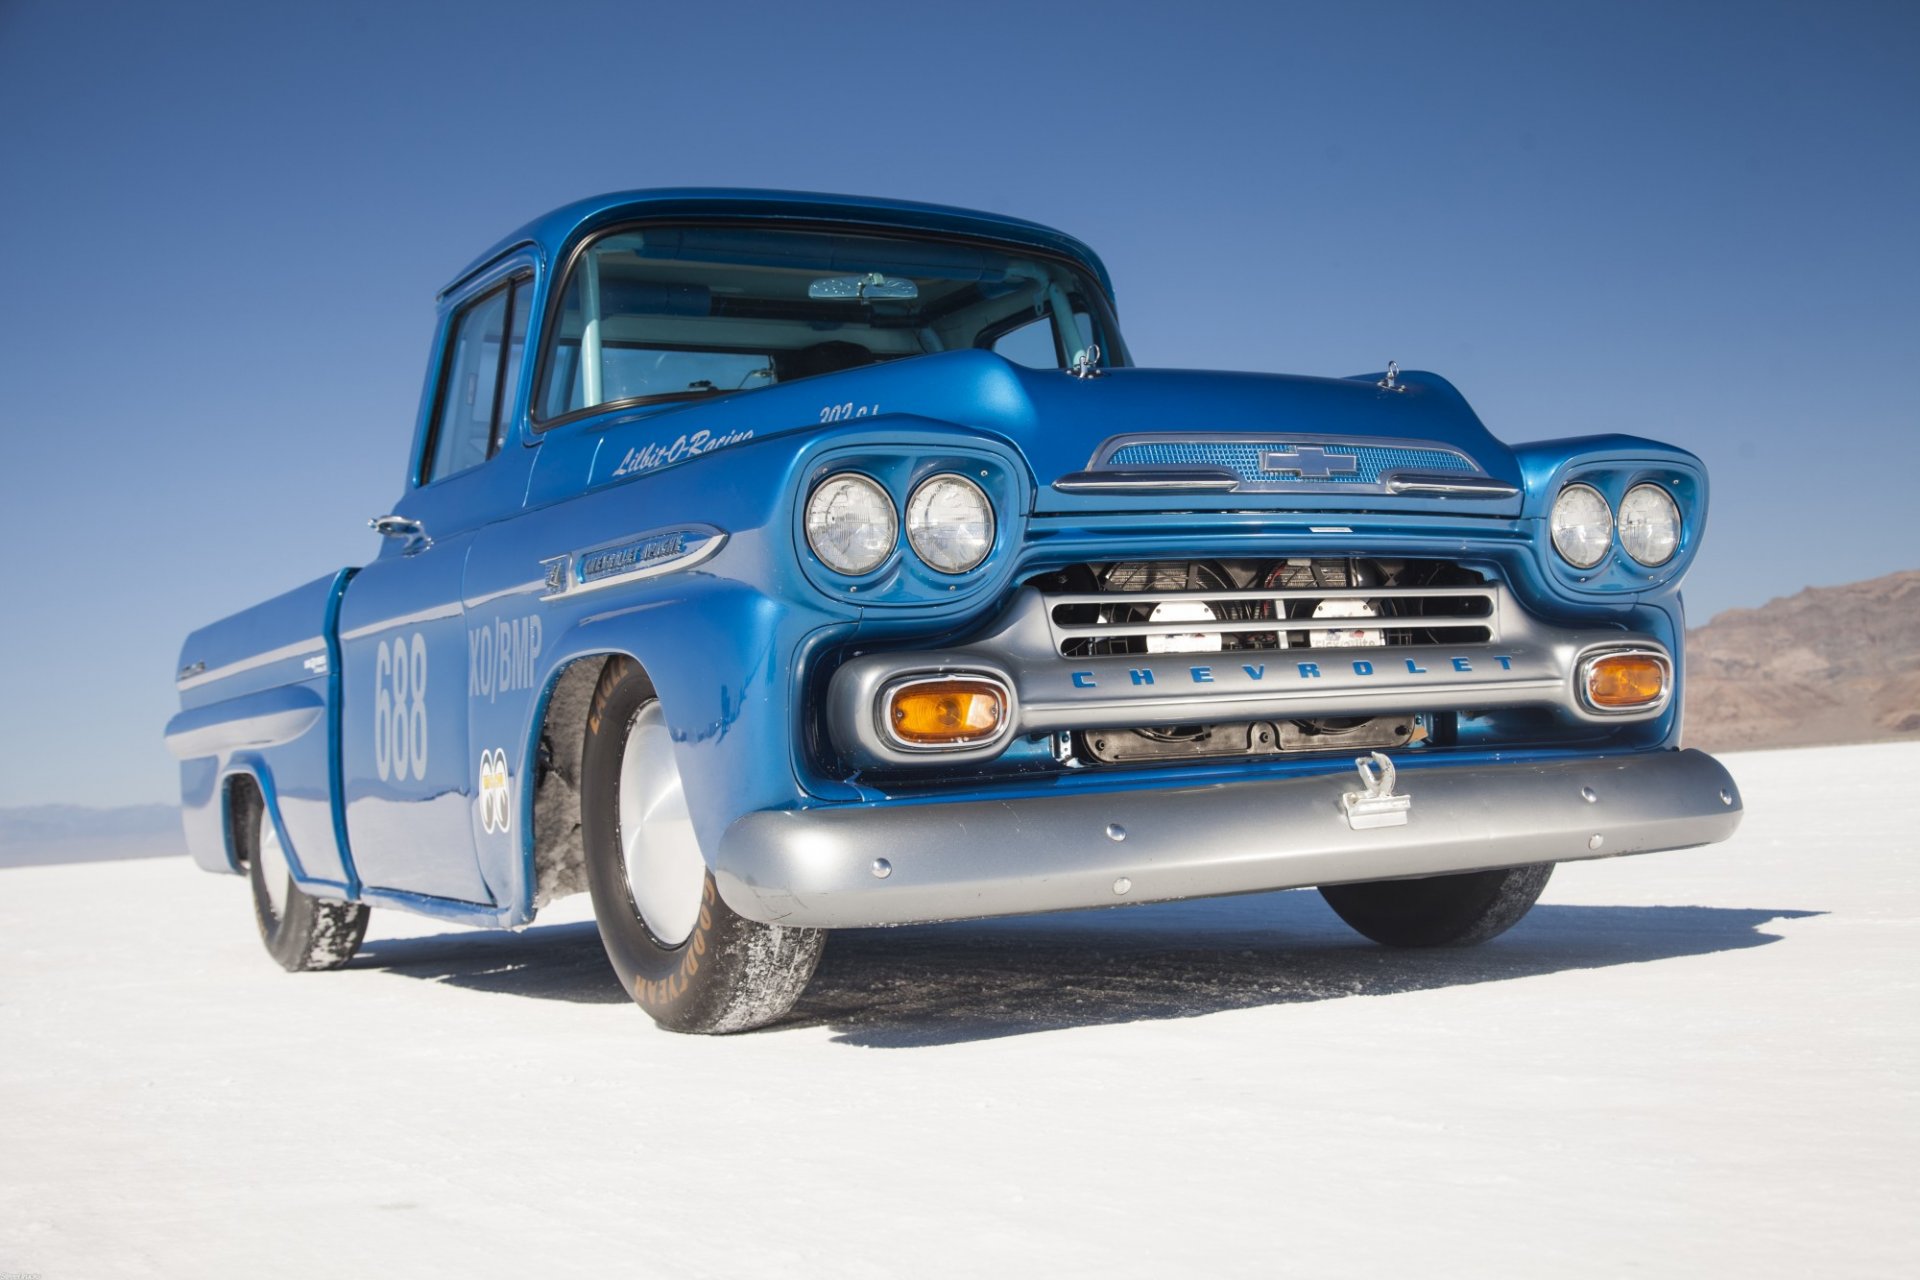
301,932
1440,911
684,956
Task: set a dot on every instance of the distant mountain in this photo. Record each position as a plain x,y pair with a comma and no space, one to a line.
1831,664
48,833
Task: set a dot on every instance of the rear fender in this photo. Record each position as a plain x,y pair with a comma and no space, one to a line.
249,767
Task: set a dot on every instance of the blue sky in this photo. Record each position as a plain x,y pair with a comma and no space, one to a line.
229,222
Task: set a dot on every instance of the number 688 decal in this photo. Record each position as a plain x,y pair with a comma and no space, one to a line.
400,709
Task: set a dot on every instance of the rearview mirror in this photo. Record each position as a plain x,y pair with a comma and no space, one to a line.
863,288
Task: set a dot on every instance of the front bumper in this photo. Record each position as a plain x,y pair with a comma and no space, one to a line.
968,859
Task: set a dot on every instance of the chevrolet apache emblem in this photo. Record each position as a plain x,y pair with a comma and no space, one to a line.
1309,462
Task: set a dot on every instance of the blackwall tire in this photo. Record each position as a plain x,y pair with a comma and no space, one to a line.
301,932
1440,911
687,958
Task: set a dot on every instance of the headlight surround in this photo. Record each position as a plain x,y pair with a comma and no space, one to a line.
851,523
950,523
1649,525
1582,526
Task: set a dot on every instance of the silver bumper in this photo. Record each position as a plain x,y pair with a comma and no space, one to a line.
969,859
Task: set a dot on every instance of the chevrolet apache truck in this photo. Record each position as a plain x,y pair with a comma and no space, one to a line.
766,564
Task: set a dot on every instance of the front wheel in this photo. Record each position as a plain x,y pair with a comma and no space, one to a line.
682,953
1440,911
301,932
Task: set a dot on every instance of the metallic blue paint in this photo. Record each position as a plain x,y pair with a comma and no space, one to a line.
737,644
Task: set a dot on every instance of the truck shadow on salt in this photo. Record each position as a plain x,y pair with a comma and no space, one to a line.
946,984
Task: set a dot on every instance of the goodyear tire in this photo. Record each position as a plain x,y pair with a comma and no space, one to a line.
301,932
684,956
1440,911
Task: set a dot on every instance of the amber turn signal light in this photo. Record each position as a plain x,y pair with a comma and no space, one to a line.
956,711
1626,681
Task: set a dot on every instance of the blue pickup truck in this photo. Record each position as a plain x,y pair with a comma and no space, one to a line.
767,564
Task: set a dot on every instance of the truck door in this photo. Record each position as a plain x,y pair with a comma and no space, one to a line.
408,775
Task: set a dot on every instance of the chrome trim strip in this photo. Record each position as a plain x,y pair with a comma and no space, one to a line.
1448,486
1058,851
1270,593
1217,627
636,558
1100,463
298,649
1150,480
419,617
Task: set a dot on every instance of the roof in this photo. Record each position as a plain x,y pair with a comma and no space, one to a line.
553,232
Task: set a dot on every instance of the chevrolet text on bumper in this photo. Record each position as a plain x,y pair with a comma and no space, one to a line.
766,564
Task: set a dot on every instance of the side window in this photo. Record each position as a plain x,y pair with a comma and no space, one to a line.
480,376
1031,345
518,311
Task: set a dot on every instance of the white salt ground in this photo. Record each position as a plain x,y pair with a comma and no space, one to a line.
1686,1064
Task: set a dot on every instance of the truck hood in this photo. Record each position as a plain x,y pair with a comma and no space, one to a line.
1066,426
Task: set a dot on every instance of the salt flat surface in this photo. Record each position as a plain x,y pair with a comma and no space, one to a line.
1685,1064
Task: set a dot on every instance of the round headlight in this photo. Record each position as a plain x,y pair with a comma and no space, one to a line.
1649,524
950,523
1582,526
850,524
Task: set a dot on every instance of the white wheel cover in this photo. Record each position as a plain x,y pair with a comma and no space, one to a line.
665,872
274,872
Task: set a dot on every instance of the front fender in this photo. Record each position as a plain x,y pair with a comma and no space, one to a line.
721,656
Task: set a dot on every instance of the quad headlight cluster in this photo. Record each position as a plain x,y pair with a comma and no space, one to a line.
852,525
1583,525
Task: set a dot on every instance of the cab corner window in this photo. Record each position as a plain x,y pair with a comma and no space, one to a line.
1031,344
478,379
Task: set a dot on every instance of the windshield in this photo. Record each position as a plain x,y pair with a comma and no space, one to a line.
670,313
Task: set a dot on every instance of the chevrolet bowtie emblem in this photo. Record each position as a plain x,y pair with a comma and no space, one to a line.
1309,462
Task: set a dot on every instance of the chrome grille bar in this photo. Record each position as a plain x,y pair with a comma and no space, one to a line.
1209,626
1203,595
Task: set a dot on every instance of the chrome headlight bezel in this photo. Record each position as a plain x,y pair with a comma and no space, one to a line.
837,554
924,531
1563,533
1634,529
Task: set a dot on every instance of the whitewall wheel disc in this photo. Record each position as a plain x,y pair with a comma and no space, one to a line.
666,873
275,874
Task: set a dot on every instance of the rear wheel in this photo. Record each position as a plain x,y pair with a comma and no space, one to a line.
683,954
301,932
1440,911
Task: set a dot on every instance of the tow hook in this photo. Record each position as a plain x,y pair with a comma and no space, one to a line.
1375,805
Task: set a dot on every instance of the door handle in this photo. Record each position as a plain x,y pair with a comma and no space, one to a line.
397,527
402,527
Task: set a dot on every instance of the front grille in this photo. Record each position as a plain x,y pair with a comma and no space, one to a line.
1371,463
1207,606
